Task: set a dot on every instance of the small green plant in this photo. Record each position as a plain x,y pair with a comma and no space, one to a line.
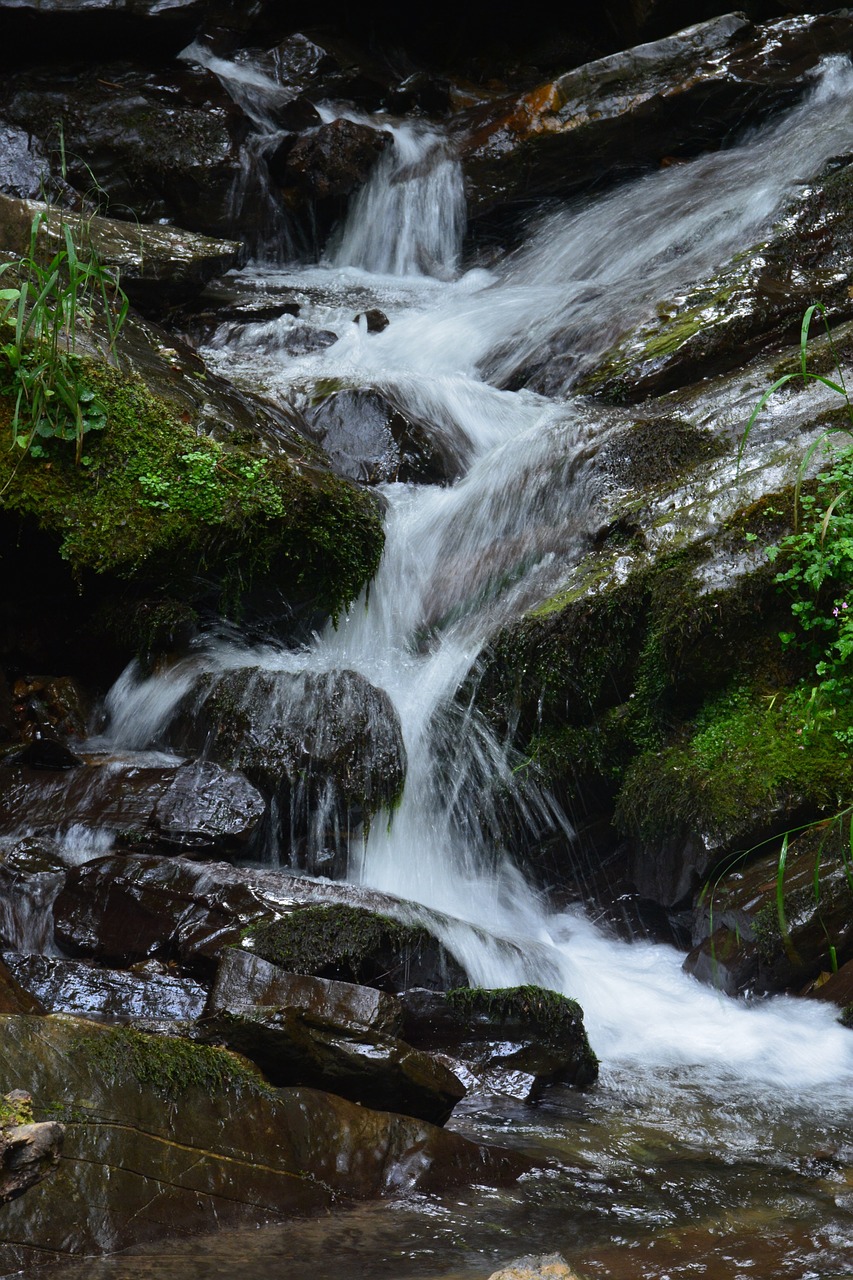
50,300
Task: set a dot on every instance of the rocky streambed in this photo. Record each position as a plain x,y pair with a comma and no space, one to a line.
405,610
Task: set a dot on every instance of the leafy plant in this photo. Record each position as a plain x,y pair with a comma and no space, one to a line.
51,299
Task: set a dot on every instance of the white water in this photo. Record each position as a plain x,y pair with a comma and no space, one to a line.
460,561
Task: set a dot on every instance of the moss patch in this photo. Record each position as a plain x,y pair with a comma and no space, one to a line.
555,1015
333,941
161,504
166,1064
15,1111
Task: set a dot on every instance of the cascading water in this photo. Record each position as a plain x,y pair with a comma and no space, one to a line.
462,560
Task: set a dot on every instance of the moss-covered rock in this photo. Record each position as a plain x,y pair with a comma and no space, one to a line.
355,945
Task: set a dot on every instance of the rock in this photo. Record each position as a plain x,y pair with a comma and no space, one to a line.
24,165
244,981
202,1126
157,265
755,303
370,439
340,941
192,805
326,747
55,703
29,1153
376,320
617,115
517,1040
761,952
110,995
124,909
836,987
114,119
423,93
333,160
295,1046
31,875
13,997
547,1266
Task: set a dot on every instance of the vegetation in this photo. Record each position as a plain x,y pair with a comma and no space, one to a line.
334,940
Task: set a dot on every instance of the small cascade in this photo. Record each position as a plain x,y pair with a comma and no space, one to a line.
409,219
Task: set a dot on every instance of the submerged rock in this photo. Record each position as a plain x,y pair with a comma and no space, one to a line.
547,1266
369,438
201,1125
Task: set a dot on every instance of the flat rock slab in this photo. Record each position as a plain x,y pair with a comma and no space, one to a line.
73,986
164,1137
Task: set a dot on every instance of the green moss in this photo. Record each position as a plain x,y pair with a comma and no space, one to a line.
159,503
15,1111
335,937
748,753
166,1064
555,1014
846,1018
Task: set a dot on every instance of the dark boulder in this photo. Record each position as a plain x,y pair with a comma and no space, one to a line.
295,1047
326,747
516,1040
369,438
24,163
194,805
333,160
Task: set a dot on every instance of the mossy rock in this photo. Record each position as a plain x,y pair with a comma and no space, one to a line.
201,520
355,945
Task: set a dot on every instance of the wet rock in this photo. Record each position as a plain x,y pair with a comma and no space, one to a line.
218,1142
346,942
376,320
193,805
114,120
157,266
421,92
125,909
546,1266
111,995
757,302
326,747
24,165
836,987
295,1046
334,160
29,1153
245,981
369,438
516,1040
56,703
755,946
627,111
31,874
15,998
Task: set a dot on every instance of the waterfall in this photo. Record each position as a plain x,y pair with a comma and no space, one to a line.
463,560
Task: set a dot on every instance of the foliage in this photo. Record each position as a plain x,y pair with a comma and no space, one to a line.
54,400
334,939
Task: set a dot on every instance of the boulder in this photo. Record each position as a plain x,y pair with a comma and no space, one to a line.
326,747
332,161
368,438
294,1046
24,164
29,1152
244,982
193,805
114,118
123,909
516,1040
165,1137
628,111
110,995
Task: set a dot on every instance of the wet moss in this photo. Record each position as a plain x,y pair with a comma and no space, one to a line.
167,1065
655,451
15,1110
555,1014
160,504
332,940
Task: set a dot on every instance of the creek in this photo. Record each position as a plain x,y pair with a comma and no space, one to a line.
718,1140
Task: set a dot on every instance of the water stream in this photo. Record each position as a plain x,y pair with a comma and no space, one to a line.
718,1141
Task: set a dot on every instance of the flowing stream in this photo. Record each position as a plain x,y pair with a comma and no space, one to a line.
718,1141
